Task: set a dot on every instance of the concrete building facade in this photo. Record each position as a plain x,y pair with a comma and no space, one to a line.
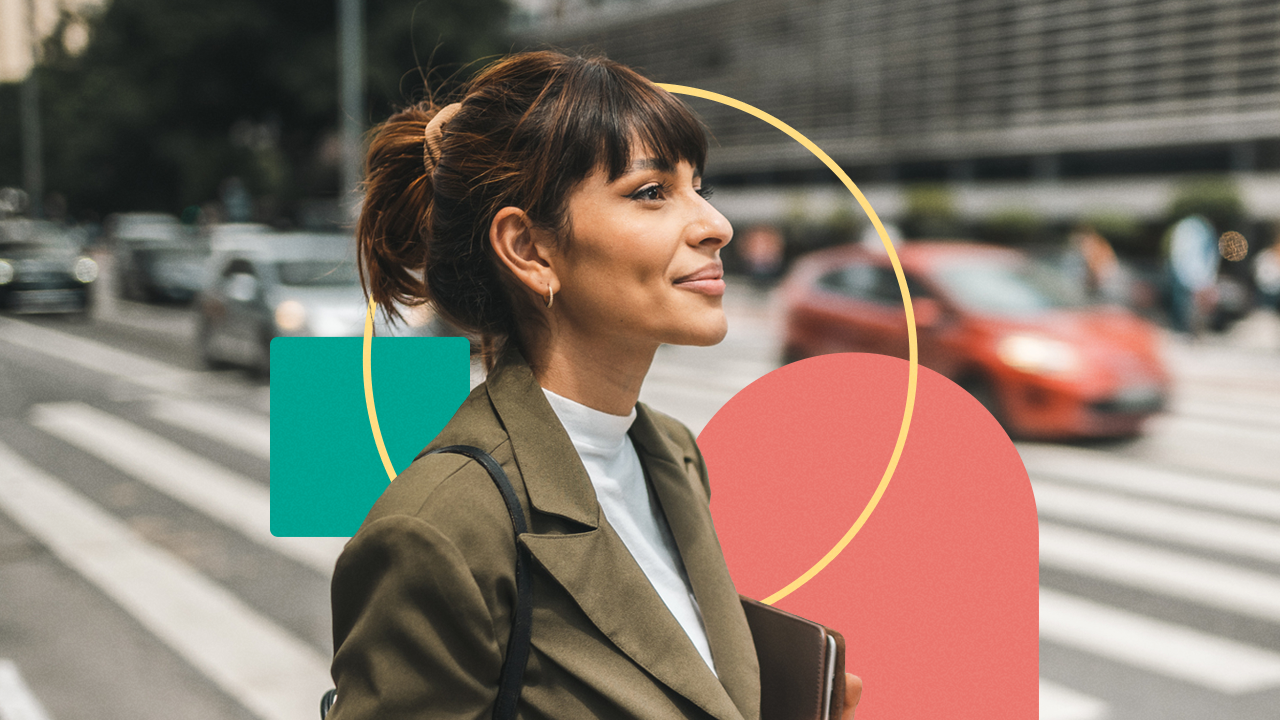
1049,98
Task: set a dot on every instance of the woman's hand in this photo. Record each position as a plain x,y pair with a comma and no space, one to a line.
852,694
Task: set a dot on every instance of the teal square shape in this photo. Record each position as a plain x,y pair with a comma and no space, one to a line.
326,471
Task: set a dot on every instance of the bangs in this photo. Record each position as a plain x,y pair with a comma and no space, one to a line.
607,114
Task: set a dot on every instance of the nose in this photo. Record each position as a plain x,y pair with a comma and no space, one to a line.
711,230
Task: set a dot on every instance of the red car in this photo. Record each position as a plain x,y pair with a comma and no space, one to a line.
1040,356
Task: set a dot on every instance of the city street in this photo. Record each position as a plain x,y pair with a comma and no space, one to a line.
138,578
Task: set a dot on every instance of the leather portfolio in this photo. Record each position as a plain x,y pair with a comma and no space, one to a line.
801,665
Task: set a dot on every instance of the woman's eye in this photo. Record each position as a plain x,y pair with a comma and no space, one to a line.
705,192
650,192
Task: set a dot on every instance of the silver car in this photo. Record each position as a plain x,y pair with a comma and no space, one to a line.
286,285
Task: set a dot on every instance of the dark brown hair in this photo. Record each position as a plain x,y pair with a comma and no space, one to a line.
530,128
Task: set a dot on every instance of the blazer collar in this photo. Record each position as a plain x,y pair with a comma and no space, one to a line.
619,599
553,475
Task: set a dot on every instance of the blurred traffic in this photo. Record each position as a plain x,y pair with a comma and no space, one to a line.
237,285
1042,356
43,268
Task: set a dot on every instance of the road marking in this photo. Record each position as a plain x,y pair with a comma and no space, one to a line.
269,671
226,496
1174,651
1223,412
1227,533
17,702
1059,703
101,358
1211,446
1148,568
1086,467
241,429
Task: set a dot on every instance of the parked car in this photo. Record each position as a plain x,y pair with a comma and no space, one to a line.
1027,343
43,268
156,257
285,285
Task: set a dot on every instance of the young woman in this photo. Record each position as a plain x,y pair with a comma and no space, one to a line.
556,210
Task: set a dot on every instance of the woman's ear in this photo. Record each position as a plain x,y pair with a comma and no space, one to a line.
524,249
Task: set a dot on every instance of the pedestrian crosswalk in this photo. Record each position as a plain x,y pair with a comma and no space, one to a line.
1158,521
1207,541
1160,647
248,653
230,498
275,675
1120,535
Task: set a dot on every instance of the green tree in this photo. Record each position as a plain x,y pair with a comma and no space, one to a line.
930,212
1215,197
172,97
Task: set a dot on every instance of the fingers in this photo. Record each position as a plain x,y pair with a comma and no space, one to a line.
852,694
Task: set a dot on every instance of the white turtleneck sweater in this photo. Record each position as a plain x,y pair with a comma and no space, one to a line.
632,509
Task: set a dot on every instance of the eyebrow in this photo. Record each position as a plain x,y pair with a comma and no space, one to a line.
650,163
658,164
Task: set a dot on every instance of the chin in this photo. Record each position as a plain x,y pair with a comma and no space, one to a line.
710,334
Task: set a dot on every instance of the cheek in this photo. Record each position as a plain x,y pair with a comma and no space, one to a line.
628,259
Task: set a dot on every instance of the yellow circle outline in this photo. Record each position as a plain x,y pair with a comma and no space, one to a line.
368,392
906,302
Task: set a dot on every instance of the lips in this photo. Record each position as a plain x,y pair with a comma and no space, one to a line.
713,271
708,280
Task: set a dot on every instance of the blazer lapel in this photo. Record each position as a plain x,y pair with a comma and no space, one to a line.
679,489
586,557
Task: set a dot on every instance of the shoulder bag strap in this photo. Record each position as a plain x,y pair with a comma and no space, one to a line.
521,630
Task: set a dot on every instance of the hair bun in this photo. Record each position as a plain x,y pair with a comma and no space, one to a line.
432,134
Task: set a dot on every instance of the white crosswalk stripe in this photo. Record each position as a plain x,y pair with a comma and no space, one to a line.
1094,469
1164,648
1207,582
1212,446
240,429
271,672
103,359
17,702
1060,703
1209,530
206,486
1239,413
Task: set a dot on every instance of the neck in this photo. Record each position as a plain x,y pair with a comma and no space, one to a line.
603,376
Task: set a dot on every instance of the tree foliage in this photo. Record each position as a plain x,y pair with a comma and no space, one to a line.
172,97
1215,197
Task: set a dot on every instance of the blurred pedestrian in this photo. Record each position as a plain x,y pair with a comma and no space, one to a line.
762,252
1266,274
1102,274
1192,256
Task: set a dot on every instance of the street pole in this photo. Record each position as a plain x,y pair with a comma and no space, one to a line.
351,102
32,157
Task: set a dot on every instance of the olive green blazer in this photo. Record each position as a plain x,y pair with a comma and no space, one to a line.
423,595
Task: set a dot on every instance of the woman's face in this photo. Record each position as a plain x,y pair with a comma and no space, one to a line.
642,262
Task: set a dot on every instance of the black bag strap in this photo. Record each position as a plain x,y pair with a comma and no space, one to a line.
521,630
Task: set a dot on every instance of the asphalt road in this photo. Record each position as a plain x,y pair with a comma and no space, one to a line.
137,579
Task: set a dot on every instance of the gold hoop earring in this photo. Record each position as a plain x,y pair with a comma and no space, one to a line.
551,296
